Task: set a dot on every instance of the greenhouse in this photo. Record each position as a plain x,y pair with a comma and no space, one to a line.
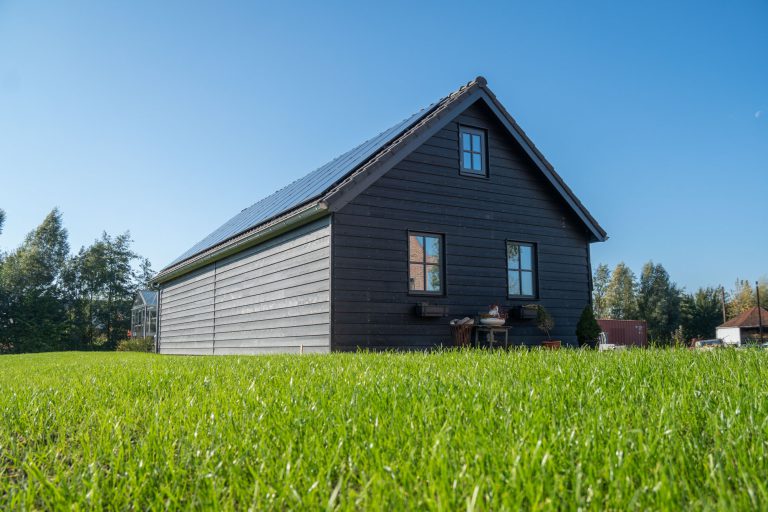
144,314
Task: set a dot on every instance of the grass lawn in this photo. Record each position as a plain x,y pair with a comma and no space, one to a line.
456,430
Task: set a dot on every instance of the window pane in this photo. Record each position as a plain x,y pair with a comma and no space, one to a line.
513,256
416,277
526,257
514,282
477,163
476,144
467,163
433,249
465,145
433,278
415,248
527,283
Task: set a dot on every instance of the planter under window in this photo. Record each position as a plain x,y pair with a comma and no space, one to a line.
527,312
426,309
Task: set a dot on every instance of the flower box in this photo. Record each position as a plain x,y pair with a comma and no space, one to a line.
426,309
527,312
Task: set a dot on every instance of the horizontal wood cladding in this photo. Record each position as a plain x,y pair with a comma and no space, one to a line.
425,192
191,294
274,297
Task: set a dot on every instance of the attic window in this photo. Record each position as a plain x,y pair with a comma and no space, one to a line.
473,154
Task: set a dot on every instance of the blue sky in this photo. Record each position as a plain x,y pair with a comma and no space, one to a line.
167,118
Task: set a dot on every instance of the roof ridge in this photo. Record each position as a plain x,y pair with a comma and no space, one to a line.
744,319
327,184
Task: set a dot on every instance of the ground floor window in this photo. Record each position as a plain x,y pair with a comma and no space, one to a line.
521,269
425,263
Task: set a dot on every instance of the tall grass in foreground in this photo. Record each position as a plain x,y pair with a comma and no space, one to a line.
457,430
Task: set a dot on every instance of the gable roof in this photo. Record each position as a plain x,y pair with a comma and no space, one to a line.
748,318
333,185
300,191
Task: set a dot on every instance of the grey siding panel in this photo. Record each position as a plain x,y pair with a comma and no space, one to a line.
324,349
425,192
274,297
186,314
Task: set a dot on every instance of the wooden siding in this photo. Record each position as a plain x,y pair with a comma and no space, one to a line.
186,314
274,297
426,193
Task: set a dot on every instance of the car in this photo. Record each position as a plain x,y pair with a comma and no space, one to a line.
708,344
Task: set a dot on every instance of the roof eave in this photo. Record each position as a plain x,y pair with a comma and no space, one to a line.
261,233
599,234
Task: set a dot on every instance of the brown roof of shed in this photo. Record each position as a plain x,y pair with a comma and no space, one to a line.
748,319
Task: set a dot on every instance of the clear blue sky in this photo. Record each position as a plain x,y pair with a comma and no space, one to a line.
166,118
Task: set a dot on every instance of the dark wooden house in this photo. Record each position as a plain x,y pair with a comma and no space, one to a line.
453,207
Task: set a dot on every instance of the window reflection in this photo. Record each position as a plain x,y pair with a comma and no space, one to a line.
472,150
425,263
520,269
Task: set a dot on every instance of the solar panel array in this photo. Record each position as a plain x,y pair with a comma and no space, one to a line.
302,190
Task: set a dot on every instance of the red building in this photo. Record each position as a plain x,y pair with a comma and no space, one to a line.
625,332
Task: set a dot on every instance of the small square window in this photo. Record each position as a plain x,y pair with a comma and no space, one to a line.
473,154
521,270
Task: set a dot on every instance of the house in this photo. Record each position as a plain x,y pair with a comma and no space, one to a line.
144,314
453,208
744,327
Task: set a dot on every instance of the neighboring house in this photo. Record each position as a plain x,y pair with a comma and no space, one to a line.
744,327
453,206
144,314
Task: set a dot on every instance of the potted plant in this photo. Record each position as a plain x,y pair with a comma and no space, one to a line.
588,330
546,323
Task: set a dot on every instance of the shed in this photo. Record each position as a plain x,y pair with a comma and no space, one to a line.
625,332
450,210
745,327
144,314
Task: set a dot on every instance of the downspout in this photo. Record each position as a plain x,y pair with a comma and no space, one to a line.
157,327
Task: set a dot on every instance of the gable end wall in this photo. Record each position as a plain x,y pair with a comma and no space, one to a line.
424,192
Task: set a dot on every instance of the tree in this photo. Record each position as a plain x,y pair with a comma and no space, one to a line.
701,313
50,300
2,220
83,279
145,274
120,285
32,316
600,282
658,301
102,283
742,298
544,320
620,296
587,330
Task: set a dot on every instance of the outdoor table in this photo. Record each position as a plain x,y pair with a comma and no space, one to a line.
490,331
